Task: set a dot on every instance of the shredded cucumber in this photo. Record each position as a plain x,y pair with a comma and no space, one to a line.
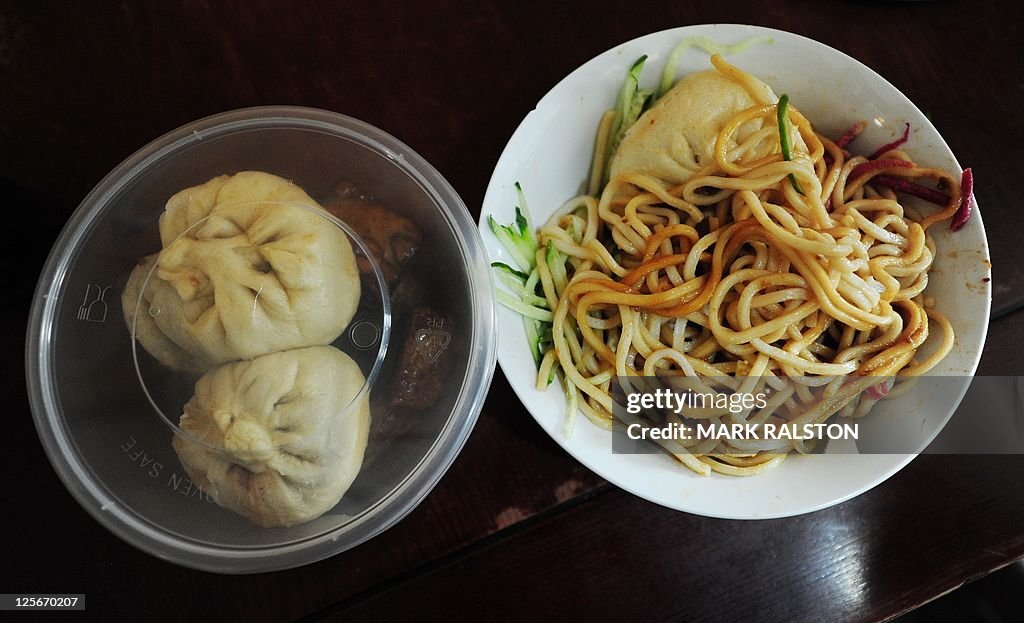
514,242
518,238
556,264
573,406
521,291
515,281
668,74
631,104
529,311
782,111
504,270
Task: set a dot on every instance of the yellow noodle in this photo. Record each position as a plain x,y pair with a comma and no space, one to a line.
736,280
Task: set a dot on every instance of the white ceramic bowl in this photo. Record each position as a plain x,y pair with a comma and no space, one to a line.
549,154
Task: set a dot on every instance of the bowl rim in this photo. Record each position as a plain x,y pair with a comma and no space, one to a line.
133,528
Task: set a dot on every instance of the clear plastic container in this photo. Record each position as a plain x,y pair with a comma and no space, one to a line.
106,411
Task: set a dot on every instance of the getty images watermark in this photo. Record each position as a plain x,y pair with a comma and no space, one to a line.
649,411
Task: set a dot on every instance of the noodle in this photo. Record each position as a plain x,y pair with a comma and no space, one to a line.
796,276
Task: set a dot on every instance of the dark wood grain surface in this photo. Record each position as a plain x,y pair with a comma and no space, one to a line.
516,528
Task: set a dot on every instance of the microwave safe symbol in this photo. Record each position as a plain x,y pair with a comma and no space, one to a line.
94,307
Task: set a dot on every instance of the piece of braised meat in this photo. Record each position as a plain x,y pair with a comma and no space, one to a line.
392,239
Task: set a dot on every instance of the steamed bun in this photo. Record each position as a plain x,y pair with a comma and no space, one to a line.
280,440
676,137
242,275
153,340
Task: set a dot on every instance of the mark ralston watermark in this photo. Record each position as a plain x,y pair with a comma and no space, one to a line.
722,431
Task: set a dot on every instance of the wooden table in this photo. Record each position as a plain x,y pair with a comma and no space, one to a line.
516,528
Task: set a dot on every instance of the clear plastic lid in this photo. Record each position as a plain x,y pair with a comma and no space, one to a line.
421,338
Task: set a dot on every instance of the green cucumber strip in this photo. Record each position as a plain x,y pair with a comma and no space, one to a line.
514,244
532,340
544,337
782,111
522,217
519,240
556,265
518,306
516,282
573,407
668,74
505,269
630,105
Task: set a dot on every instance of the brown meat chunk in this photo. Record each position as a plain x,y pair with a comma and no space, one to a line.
426,360
392,239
